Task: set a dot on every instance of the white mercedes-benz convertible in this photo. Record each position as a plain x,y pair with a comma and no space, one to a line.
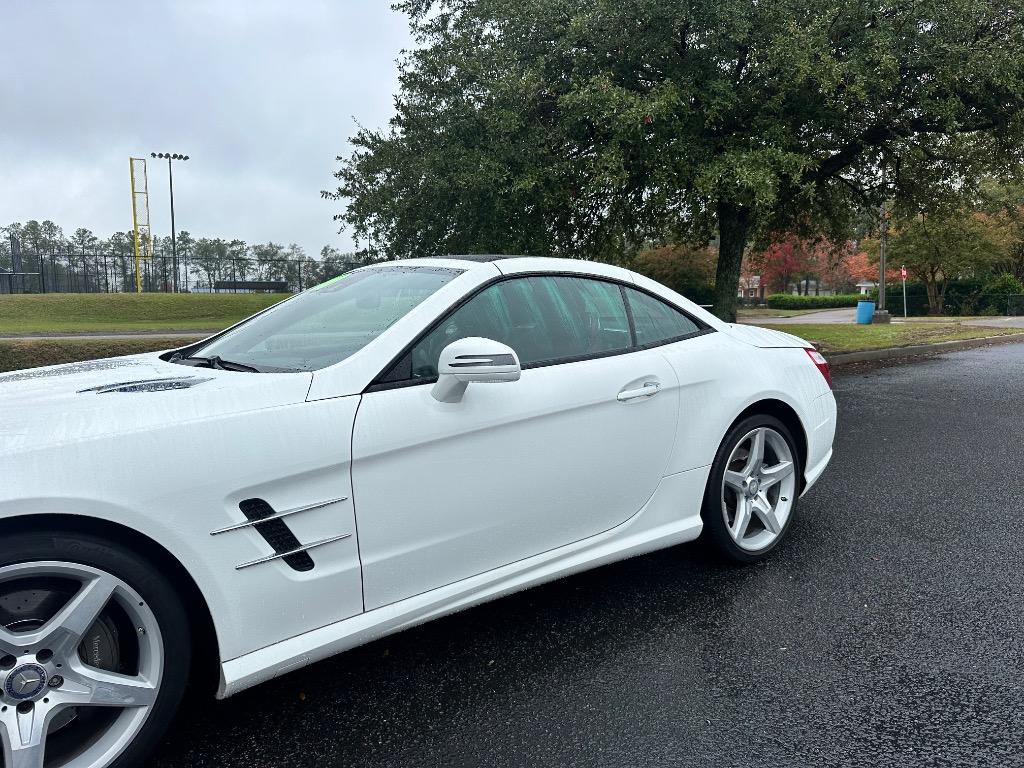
342,466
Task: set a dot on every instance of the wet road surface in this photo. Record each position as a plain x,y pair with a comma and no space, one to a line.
886,631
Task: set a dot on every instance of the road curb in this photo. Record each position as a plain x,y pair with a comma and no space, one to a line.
920,350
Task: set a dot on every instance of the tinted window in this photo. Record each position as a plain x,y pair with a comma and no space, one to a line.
657,322
328,323
544,319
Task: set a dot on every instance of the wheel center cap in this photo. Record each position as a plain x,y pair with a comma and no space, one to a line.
25,682
753,486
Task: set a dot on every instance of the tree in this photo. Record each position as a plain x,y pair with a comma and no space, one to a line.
1003,206
12,230
238,254
207,256
299,269
83,240
685,269
839,265
782,263
120,245
269,264
942,247
333,262
581,127
185,245
33,239
863,267
52,237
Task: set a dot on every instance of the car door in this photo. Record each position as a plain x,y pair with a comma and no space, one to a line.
445,491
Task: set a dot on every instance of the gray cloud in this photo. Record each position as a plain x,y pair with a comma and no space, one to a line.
262,95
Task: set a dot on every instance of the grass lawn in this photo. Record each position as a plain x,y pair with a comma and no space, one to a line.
30,354
114,312
853,338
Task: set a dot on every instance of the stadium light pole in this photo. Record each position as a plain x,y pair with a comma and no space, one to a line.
170,181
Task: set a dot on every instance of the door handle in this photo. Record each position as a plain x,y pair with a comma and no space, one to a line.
649,389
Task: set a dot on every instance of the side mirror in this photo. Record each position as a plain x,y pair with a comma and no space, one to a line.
473,359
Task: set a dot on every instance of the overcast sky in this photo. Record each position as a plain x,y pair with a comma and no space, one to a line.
261,94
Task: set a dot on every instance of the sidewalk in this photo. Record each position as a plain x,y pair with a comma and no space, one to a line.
997,322
828,316
849,315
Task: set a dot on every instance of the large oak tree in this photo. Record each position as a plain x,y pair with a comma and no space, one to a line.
586,128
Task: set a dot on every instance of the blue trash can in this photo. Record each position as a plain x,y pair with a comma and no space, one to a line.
865,311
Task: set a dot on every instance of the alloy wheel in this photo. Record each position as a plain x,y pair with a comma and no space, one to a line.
81,657
758,489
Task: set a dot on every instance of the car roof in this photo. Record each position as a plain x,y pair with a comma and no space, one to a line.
508,264
484,257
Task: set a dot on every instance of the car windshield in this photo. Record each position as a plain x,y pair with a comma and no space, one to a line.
328,323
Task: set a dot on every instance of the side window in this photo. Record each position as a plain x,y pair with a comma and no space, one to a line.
657,322
544,319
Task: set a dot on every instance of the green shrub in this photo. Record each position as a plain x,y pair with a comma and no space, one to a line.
688,270
993,296
917,299
794,301
970,296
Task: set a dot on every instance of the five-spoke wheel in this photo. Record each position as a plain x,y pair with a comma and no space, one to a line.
752,489
83,653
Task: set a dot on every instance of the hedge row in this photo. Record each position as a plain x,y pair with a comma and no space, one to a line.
963,297
795,301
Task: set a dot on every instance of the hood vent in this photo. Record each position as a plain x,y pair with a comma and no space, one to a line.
147,385
69,369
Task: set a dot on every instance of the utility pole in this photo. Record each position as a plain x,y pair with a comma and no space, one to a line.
170,180
881,314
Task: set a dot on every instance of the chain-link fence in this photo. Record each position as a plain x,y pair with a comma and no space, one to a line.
1015,304
115,273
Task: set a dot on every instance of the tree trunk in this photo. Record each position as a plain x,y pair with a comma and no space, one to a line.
941,292
934,302
734,223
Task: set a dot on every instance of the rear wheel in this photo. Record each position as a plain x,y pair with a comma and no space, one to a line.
751,494
94,652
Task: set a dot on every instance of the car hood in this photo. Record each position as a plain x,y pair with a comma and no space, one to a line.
764,337
63,403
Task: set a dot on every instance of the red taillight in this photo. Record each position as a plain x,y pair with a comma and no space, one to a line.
821,364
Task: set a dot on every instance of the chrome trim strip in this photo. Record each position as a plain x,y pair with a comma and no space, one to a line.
277,516
295,551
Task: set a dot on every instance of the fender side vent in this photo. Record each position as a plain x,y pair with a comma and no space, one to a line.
276,533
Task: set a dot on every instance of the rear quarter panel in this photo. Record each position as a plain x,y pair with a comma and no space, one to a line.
720,377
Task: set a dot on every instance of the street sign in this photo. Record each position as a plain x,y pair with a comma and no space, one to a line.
903,276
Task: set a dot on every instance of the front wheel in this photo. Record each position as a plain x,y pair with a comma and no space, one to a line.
751,494
94,652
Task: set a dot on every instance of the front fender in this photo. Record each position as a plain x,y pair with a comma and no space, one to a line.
178,483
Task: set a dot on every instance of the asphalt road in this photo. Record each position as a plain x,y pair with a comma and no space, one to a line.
886,631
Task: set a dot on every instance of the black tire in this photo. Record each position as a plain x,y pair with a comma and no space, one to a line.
152,586
716,531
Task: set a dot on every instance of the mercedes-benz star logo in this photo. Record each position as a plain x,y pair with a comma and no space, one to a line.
25,682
